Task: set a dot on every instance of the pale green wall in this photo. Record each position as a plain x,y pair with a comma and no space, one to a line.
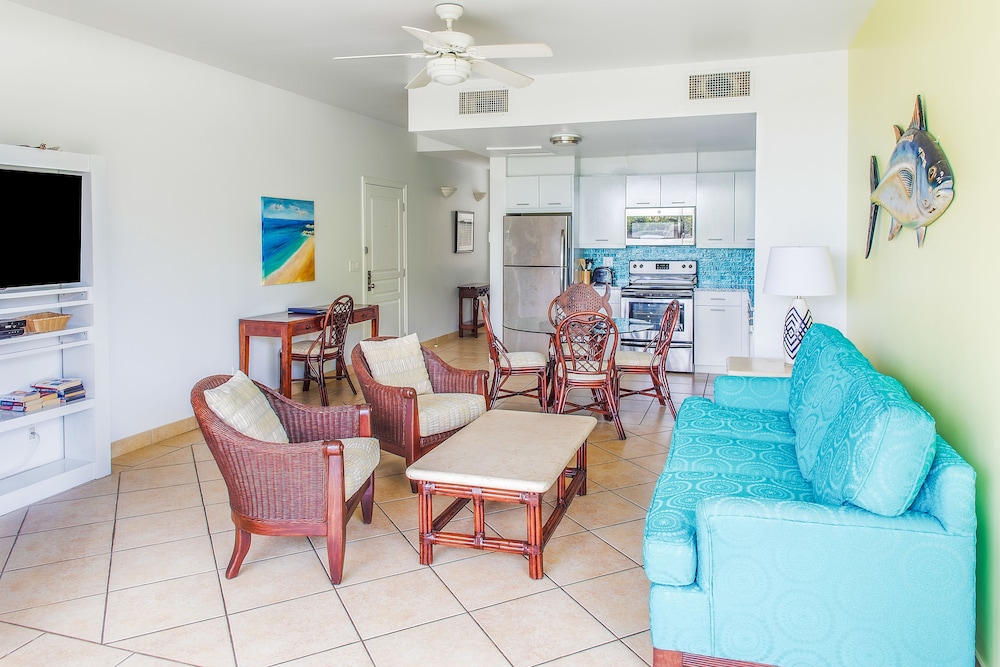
928,316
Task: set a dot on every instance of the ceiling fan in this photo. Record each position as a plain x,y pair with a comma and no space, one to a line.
452,56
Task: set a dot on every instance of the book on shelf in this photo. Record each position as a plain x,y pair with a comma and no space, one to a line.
26,407
21,395
58,386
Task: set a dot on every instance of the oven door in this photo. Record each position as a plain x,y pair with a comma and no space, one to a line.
650,309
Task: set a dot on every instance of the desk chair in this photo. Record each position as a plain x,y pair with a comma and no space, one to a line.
327,346
651,361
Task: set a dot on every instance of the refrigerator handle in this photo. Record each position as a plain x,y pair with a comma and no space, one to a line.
562,259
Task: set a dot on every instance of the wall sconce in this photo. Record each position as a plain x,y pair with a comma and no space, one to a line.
447,191
478,195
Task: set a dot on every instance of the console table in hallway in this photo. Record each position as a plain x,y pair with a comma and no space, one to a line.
474,291
286,326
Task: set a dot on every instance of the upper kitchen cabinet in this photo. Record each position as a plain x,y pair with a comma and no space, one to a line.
661,190
744,222
553,192
601,218
725,213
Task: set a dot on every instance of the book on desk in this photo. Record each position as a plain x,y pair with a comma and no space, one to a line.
307,310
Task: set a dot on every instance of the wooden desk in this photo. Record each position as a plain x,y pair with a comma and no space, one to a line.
474,291
285,327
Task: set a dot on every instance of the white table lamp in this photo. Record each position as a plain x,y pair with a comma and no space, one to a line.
799,271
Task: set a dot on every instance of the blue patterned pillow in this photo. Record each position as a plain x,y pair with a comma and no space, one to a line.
877,452
821,382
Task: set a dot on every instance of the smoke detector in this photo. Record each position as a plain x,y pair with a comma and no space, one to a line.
565,139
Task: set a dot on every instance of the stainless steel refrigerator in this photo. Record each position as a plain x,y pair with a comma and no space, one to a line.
536,268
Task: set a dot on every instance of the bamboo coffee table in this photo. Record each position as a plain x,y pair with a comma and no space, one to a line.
504,456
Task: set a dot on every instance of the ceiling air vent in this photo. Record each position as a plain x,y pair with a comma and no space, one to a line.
722,84
482,101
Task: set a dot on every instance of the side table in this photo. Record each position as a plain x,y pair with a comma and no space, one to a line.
758,366
474,291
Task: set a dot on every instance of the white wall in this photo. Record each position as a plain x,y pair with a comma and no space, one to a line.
190,150
801,107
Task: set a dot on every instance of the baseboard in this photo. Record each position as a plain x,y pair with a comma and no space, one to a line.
152,436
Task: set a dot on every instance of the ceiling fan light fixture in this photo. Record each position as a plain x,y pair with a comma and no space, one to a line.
565,139
449,70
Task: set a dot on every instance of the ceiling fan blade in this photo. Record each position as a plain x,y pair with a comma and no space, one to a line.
426,37
501,74
383,55
513,51
420,80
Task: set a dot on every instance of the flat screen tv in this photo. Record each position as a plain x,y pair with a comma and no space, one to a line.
41,228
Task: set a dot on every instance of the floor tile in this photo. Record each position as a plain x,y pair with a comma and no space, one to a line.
154,501
406,600
82,618
291,629
596,510
50,516
262,547
49,546
352,655
199,643
158,562
274,580
541,627
139,479
641,494
490,579
160,527
641,645
50,649
620,601
55,582
452,642
166,604
13,637
11,522
613,653
564,564
625,537
176,457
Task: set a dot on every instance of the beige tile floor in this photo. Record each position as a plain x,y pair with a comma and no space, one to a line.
128,570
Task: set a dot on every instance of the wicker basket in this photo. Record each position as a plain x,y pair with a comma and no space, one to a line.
40,322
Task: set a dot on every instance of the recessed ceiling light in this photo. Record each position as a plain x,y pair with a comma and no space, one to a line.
565,139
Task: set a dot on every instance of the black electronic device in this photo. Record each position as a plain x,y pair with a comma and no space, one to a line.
42,226
10,333
13,324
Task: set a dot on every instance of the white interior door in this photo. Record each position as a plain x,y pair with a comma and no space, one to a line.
385,254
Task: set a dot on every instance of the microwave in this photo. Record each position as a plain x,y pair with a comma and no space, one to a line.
659,226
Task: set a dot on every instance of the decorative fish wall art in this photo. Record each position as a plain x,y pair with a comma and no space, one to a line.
919,185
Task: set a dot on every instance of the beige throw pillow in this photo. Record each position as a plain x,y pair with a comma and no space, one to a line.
398,362
243,406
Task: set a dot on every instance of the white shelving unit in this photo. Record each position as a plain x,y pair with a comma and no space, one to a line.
46,452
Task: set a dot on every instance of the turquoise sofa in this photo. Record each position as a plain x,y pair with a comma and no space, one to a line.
812,520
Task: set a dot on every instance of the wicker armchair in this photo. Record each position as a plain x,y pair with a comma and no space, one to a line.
395,417
294,488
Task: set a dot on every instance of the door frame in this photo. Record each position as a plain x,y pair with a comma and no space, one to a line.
365,241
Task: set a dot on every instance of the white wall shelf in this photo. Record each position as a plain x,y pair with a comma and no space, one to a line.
68,444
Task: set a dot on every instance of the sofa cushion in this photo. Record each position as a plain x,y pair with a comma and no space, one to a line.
701,415
669,551
398,362
446,412
949,491
878,450
820,383
243,406
706,452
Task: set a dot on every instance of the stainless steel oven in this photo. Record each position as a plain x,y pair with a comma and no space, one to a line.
652,285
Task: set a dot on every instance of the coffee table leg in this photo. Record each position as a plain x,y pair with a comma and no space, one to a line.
534,542
425,513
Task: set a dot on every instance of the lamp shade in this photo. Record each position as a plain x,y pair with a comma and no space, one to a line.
800,271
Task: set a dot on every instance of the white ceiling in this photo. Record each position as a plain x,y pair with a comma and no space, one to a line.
290,44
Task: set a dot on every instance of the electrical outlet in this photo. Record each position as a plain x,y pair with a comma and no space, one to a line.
31,433
353,265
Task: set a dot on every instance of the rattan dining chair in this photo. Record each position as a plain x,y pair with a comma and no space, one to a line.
327,346
651,361
507,364
309,485
585,359
578,298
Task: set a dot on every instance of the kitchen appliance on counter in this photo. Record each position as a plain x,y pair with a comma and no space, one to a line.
652,284
603,275
536,269
659,226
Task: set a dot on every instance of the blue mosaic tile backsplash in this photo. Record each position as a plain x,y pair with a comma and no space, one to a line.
718,268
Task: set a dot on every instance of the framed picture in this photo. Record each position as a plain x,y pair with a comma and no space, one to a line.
464,231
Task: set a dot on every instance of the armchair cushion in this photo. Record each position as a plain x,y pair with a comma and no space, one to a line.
240,404
439,413
398,362
361,456
523,360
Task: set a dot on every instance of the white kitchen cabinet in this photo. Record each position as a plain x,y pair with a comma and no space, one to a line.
715,215
661,190
744,225
54,449
552,192
721,328
678,189
601,216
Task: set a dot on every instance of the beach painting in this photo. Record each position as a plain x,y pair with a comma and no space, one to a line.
288,249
